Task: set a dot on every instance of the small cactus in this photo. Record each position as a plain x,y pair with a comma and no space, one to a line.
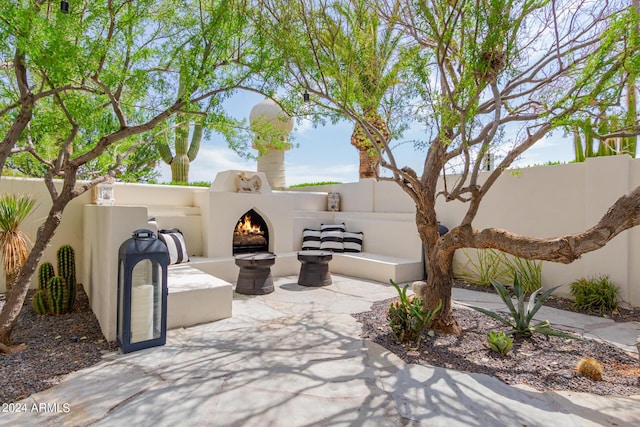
40,302
58,295
45,273
590,368
67,269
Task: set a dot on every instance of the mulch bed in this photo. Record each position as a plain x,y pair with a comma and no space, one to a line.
544,363
56,346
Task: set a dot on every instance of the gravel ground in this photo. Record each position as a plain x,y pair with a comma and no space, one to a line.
51,351
545,363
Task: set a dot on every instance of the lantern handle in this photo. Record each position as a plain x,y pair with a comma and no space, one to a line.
143,233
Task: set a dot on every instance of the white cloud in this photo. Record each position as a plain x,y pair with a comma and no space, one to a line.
304,173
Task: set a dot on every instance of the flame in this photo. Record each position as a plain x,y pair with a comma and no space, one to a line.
245,227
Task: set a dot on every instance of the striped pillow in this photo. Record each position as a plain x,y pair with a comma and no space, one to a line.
174,240
352,241
332,227
310,239
331,240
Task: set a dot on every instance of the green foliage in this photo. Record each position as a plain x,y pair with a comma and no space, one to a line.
522,316
598,294
45,273
408,317
529,273
58,299
499,342
491,265
40,302
67,269
487,266
311,184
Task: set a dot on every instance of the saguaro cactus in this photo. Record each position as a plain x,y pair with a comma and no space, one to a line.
67,270
185,152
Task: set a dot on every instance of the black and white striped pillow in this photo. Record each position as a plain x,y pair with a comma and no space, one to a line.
310,239
331,241
174,240
352,241
332,227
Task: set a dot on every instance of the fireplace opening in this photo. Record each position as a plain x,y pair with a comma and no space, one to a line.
250,234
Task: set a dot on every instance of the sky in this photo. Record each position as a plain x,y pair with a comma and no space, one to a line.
326,154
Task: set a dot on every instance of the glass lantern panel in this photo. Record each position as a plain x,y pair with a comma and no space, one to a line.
146,301
120,299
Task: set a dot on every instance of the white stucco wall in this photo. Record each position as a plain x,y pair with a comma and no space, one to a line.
546,201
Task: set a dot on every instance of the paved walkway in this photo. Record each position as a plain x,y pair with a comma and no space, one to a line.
294,358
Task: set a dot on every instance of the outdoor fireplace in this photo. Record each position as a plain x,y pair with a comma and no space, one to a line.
250,234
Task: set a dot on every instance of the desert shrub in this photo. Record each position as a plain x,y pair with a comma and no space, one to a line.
529,273
408,316
598,294
488,265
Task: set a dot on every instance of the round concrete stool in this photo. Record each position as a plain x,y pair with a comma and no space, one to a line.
314,270
255,277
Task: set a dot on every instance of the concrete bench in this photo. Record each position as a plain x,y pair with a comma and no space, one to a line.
376,267
196,297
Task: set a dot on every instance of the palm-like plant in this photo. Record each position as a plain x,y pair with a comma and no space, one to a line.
13,242
371,50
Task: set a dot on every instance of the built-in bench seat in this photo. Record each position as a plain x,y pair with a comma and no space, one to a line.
363,265
196,297
376,267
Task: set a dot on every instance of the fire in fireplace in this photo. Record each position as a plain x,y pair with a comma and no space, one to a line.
251,234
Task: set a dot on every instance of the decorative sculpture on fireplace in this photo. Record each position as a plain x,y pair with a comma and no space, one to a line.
246,184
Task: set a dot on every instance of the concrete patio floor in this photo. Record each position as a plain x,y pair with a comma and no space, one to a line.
294,358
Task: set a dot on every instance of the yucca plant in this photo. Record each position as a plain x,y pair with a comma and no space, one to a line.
522,316
14,244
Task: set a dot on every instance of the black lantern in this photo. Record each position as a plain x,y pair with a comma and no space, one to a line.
305,96
64,6
142,292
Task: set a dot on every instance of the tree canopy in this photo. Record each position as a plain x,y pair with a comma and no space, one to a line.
475,67
85,93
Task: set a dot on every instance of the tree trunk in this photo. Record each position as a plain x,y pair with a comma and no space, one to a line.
439,263
438,289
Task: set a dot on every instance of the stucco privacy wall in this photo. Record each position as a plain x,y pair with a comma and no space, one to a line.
70,229
543,202
547,201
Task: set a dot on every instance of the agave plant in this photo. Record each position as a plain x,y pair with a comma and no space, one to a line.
13,242
522,316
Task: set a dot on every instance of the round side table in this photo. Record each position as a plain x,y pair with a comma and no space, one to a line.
255,277
314,270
